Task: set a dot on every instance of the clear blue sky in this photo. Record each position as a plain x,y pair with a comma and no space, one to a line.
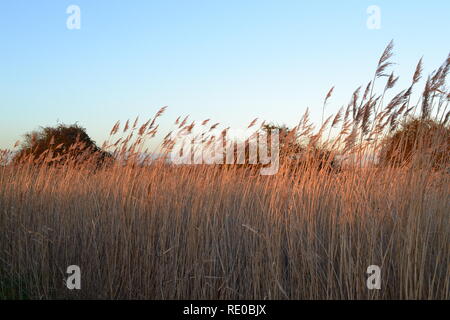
231,61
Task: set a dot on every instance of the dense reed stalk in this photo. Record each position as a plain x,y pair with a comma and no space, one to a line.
154,230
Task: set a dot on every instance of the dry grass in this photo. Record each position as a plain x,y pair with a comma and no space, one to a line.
203,233
163,231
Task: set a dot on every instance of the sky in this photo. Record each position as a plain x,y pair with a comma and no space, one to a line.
230,61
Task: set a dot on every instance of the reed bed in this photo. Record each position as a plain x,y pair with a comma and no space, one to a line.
165,231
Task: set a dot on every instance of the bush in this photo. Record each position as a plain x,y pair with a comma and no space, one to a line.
296,154
423,141
57,145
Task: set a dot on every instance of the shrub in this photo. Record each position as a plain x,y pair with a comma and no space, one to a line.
424,141
296,154
56,145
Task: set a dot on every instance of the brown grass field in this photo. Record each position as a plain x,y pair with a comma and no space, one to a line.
162,231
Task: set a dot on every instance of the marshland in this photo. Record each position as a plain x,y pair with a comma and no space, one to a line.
369,185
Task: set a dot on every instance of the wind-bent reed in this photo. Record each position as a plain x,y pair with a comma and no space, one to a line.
154,230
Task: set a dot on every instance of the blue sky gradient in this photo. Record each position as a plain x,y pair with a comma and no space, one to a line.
231,61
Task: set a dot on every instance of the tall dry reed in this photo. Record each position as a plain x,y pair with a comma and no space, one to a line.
161,231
